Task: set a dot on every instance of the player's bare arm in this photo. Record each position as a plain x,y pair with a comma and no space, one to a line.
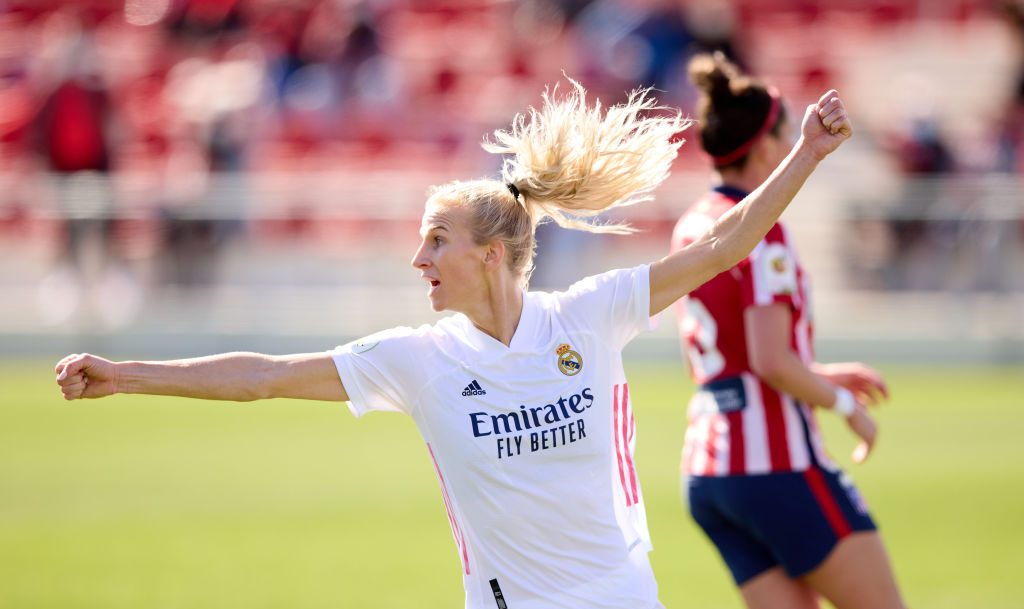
772,359
239,377
825,126
864,381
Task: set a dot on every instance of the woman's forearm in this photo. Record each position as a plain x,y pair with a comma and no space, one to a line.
788,374
238,377
734,235
768,336
740,229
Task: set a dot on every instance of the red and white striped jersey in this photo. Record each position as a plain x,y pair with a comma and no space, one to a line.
738,424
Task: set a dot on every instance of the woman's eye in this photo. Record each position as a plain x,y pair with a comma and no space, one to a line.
438,241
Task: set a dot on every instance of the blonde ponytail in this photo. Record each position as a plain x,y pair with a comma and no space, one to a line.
570,161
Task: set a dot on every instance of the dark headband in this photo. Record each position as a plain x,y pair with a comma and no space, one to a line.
744,148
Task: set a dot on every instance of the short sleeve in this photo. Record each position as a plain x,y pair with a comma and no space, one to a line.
615,304
771,274
379,372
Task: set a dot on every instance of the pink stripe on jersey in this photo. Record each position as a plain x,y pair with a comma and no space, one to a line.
618,441
628,408
633,421
460,541
775,421
621,431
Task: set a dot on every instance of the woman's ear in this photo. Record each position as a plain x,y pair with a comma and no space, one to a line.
494,255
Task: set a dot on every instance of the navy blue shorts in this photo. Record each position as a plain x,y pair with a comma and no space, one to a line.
792,519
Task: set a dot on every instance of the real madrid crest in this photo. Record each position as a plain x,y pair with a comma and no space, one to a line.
569,361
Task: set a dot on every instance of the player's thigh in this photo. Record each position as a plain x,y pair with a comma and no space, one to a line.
857,575
774,589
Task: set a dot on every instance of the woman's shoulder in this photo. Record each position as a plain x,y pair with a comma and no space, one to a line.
397,339
596,290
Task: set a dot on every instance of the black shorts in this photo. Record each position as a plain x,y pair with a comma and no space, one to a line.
792,519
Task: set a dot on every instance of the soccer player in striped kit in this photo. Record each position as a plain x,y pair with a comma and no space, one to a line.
787,522
520,396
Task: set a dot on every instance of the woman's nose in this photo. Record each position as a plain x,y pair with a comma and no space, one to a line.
419,259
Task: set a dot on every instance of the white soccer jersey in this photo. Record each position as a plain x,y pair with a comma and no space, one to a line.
532,443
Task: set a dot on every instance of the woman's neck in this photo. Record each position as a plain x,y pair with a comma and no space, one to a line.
498,313
747,181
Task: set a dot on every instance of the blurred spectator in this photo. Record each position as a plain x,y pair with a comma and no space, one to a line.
1009,139
73,138
204,18
668,42
923,149
714,25
914,245
74,120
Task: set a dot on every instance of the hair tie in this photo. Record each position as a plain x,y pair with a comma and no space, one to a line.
512,189
744,148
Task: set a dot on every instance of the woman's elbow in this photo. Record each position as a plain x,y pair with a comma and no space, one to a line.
244,392
267,389
265,383
770,369
252,394
722,255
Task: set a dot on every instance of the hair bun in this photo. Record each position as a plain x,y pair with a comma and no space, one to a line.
713,74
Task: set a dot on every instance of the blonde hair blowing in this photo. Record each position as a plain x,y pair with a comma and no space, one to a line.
568,162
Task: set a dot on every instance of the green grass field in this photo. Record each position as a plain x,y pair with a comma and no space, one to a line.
151,503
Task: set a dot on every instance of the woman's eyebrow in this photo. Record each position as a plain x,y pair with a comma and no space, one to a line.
434,227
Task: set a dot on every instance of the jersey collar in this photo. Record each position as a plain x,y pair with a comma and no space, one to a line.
730,192
525,336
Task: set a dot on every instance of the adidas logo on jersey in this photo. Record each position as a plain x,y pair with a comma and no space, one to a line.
474,388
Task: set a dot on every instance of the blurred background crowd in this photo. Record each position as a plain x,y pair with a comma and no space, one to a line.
198,163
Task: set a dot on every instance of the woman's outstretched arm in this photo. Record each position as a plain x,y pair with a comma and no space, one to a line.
240,377
825,126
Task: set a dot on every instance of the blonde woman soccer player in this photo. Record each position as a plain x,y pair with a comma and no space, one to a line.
787,522
520,396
